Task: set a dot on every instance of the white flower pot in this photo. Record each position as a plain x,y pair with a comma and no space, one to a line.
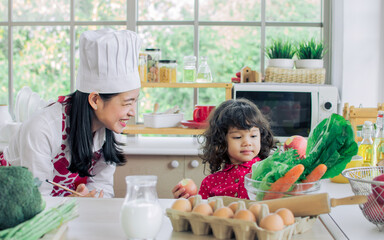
309,63
281,63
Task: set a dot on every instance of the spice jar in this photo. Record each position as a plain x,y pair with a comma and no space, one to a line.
167,71
153,57
143,67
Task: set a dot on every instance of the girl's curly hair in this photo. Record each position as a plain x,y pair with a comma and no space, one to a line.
241,114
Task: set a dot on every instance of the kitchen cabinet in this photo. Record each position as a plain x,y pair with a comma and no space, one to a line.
141,129
169,169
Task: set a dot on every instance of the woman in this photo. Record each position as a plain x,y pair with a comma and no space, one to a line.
71,142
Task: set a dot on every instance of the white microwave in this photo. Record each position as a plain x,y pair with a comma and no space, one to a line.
292,109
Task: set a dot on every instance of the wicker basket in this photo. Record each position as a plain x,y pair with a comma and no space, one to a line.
282,75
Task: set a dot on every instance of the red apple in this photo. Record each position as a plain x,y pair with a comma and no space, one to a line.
189,185
373,211
296,142
378,190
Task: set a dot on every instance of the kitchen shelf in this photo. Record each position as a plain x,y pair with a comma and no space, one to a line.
141,129
227,86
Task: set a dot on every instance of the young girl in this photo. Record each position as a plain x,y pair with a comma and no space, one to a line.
238,136
71,142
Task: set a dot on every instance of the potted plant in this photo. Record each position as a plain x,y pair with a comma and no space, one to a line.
280,54
310,54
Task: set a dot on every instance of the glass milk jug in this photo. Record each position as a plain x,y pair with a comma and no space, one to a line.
141,214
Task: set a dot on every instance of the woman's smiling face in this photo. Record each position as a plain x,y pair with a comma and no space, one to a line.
243,145
114,113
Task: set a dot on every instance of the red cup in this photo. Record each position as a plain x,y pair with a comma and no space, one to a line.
201,112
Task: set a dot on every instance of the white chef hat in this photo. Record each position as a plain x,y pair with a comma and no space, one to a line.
108,61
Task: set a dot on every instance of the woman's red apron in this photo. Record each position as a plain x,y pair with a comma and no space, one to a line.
61,174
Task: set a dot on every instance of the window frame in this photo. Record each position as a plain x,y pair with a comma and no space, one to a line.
132,23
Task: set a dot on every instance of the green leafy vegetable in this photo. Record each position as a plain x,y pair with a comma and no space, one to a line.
331,143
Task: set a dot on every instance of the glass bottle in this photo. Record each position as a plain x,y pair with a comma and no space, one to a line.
366,146
378,143
204,74
141,214
189,70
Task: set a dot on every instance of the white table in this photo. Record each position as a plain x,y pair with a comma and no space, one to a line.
347,222
99,219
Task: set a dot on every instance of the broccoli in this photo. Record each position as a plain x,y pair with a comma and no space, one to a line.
20,198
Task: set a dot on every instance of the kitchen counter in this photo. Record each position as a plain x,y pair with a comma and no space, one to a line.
187,146
99,219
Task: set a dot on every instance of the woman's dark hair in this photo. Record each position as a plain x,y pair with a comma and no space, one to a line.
81,136
241,114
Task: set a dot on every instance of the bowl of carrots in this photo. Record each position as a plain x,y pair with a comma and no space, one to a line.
261,190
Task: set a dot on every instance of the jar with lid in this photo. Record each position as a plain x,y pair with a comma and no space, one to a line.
167,71
143,68
153,57
204,74
189,69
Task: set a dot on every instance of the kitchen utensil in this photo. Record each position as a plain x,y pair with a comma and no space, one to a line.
312,204
65,188
257,189
362,183
155,108
201,112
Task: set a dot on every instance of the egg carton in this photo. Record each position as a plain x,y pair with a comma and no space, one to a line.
227,228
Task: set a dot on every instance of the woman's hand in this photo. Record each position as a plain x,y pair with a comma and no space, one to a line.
178,191
82,189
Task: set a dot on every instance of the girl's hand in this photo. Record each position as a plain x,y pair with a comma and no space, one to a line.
178,191
86,193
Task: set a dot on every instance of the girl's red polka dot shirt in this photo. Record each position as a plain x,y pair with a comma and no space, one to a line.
227,182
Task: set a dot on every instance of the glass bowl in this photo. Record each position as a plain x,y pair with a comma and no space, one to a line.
362,183
256,192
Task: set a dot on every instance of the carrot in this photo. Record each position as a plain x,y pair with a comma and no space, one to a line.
284,183
313,176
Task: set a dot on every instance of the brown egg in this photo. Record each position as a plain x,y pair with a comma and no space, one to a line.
233,206
286,215
212,204
255,208
192,200
182,204
223,212
203,208
245,214
272,222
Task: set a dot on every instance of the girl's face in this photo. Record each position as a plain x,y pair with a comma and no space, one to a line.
243,145
114,113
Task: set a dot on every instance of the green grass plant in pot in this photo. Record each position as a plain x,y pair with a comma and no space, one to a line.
280,54
310,54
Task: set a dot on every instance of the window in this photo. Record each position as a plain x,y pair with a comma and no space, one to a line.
39,40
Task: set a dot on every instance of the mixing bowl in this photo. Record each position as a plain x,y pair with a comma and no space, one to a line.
362,183
257,189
